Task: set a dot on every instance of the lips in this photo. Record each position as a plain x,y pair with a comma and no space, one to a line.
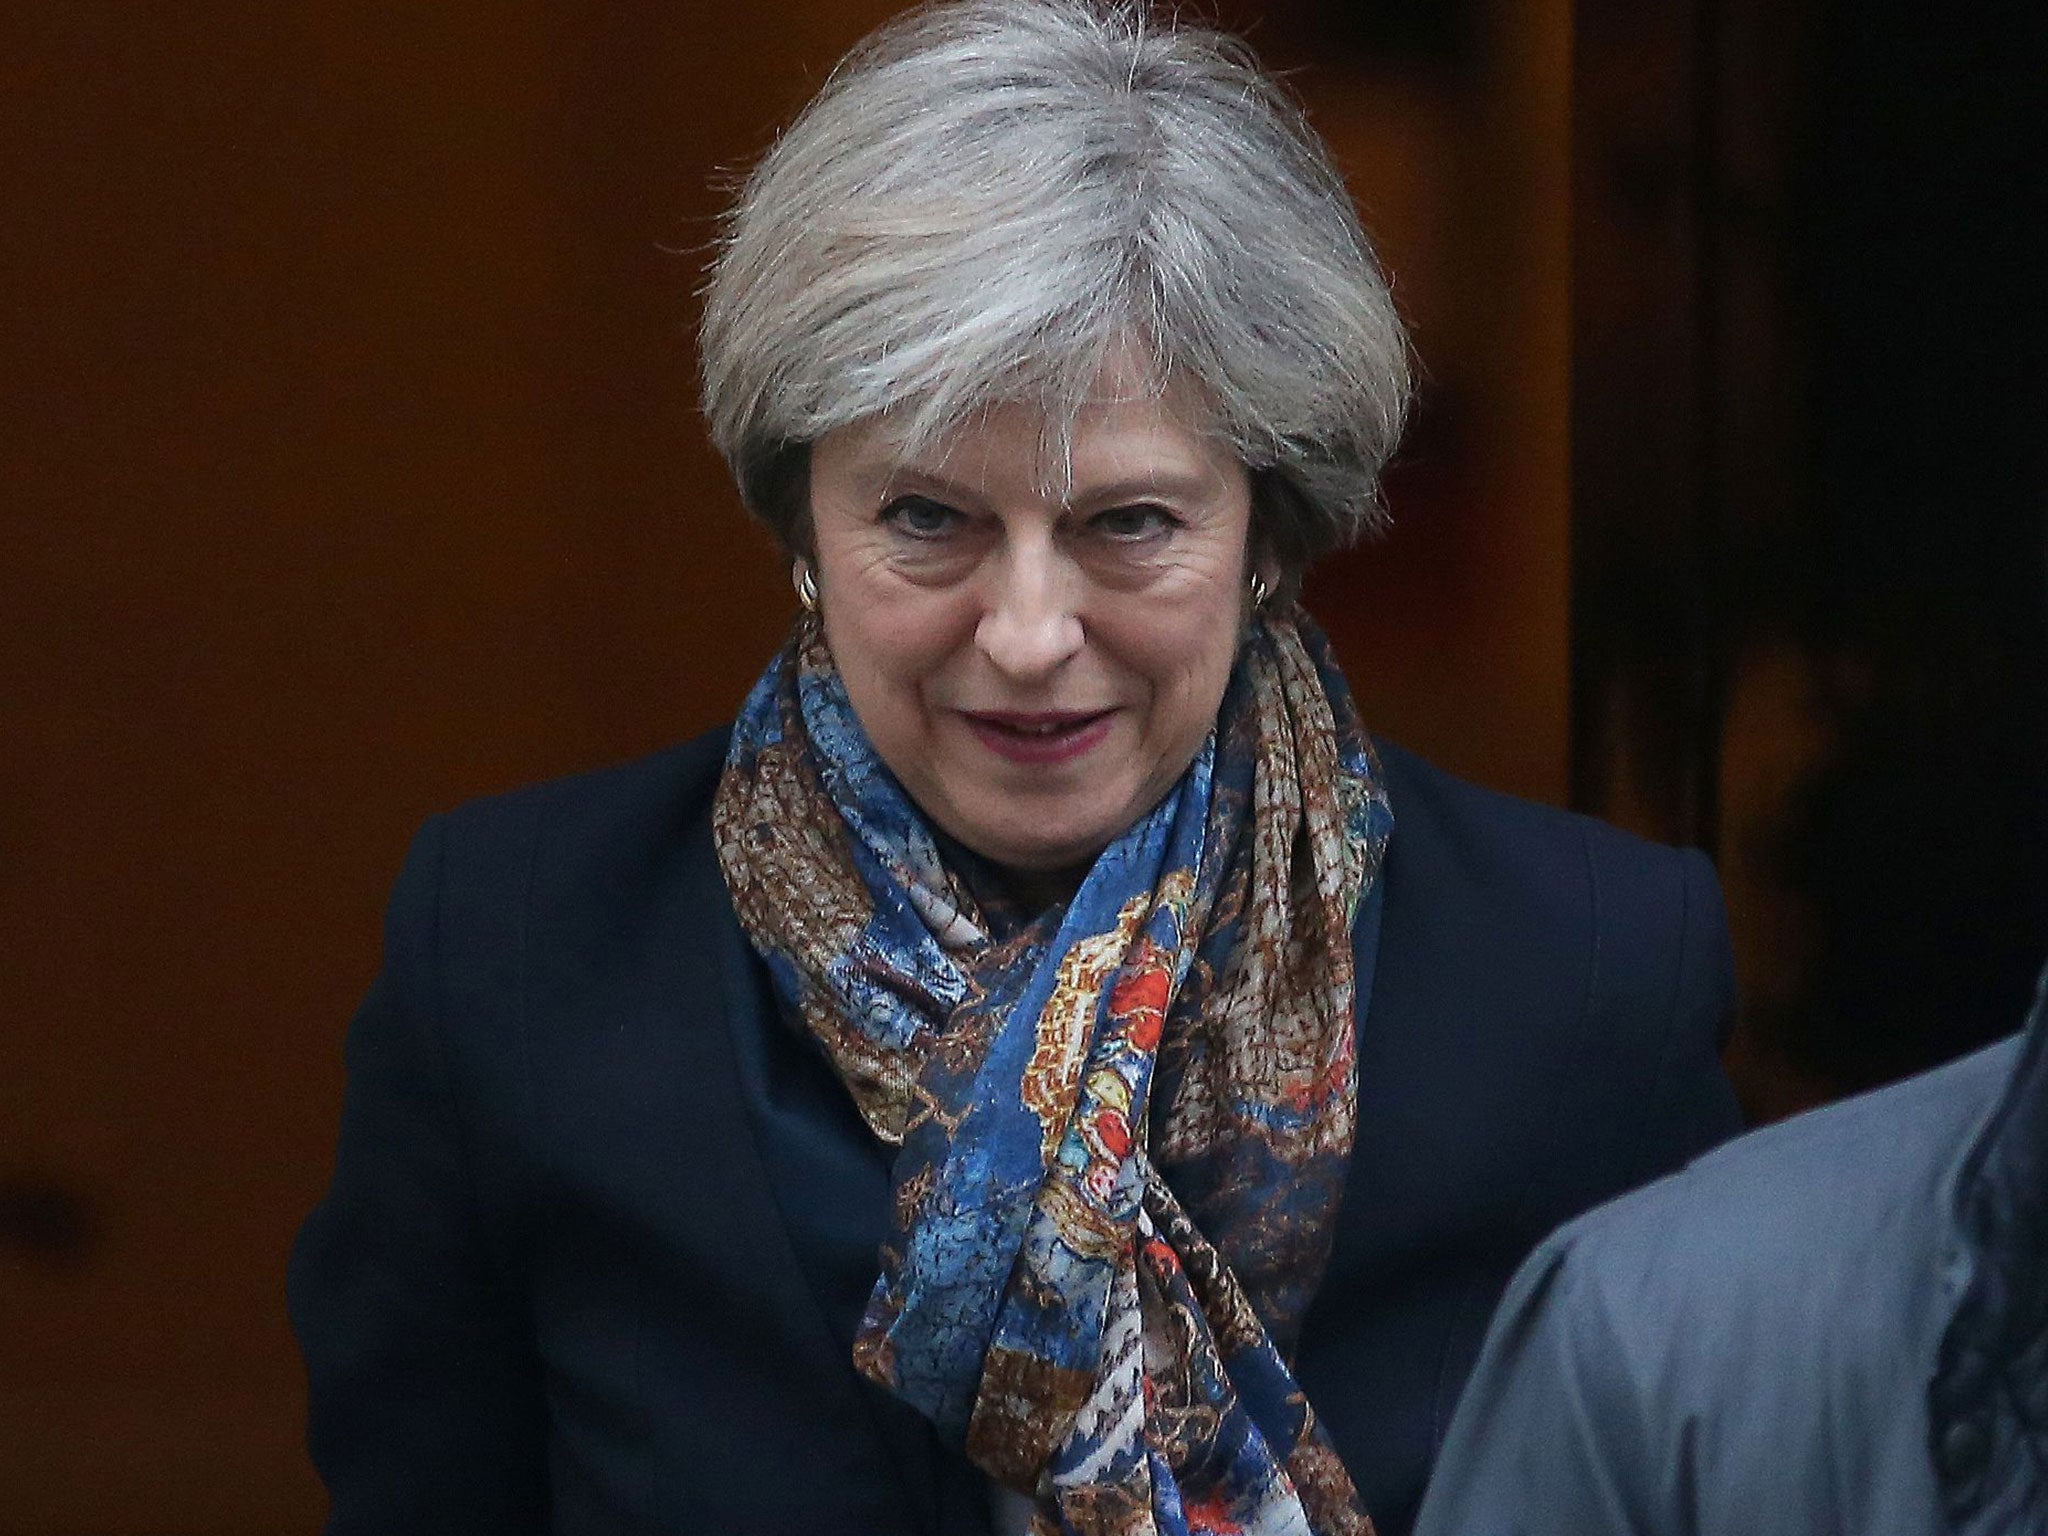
1050,736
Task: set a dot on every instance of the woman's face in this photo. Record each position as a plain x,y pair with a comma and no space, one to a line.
1036,668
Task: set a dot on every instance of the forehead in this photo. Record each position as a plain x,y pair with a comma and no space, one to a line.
1020,451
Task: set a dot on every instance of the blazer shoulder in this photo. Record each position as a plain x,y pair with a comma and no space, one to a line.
620,801
1492,833
611,818
1610,954
562,867
1624,912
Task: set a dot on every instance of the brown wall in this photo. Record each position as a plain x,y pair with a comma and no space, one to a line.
349,468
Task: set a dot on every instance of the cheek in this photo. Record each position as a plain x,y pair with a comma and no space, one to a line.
1206,682
1188,667
887,647
1195,645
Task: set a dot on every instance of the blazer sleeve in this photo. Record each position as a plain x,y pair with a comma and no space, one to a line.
426,1400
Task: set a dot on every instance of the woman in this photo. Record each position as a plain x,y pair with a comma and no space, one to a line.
1044,1068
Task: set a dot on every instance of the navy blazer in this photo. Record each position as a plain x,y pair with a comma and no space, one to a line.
602,1226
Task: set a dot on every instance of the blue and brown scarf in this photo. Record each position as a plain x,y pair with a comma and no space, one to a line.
1122,1124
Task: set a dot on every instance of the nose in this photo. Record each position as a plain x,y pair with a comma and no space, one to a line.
1031,623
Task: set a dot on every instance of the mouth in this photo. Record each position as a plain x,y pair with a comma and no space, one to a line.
1050,736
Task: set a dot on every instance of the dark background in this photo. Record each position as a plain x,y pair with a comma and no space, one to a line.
349,468
1810,508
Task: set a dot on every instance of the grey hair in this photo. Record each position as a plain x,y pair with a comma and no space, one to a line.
989,196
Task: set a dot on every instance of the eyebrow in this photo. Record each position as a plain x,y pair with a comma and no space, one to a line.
1191,486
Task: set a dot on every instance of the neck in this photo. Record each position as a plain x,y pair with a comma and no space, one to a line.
1012,896
1037,889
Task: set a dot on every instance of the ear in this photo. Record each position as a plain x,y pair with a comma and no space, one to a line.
1279,550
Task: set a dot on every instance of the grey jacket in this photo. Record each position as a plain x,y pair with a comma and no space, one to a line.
1837,1324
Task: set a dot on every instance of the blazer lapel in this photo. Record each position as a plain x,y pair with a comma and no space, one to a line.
831,1182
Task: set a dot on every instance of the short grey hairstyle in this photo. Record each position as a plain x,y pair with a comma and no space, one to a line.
988,196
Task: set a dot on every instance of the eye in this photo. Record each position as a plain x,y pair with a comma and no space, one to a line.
1142,521
920,517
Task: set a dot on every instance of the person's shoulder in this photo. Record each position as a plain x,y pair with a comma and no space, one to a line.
1868,1149
1624,918
601,829
1743,1345
1584,975
1485,827
1809,1229
672,786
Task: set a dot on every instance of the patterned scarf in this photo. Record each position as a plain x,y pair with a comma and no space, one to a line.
1122,1125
